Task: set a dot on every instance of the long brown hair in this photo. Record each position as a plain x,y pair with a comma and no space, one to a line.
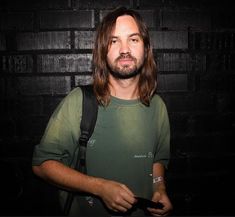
148,73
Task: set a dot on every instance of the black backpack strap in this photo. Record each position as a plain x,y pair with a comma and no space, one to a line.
87,125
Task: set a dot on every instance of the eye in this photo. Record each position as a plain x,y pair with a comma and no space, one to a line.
113,41
134,40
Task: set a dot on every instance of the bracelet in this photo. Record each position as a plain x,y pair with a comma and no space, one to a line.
158,179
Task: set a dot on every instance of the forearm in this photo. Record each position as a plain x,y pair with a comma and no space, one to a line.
67,178
159,191
115,195
158,177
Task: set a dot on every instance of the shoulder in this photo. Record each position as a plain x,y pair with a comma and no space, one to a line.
74,96
70,103
157,101
158,105
74,93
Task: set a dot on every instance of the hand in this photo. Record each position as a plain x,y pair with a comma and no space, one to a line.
167,206
116,196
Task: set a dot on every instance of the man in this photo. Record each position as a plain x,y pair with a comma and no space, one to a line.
129,149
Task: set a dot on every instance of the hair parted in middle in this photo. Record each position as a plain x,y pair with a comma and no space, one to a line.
148,72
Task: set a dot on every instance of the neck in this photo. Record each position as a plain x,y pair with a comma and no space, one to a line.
124,88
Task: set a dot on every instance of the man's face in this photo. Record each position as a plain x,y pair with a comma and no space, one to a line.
126,51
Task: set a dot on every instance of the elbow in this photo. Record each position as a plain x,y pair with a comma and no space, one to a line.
45,169
37,170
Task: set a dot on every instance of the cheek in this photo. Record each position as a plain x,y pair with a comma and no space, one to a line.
112,55
140,54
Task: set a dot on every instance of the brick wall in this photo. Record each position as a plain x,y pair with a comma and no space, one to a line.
45,51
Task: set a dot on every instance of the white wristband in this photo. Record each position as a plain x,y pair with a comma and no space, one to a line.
158,179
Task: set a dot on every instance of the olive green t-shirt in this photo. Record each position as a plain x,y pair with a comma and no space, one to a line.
128,138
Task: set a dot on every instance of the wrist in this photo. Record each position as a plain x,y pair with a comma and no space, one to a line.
97,184
158,179
159,184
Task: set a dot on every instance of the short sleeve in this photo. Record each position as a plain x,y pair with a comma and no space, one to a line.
59,140
162,154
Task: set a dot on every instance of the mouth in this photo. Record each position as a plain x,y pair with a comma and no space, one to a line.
125,60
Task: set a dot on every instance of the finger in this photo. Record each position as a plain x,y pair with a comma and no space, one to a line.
121,209
128,196
126,204
118,208
127,190
159,212
122,202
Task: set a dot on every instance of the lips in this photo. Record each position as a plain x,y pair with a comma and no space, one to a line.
125,60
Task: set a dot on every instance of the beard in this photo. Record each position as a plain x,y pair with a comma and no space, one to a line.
124,71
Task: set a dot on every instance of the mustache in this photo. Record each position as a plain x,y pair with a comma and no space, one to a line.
125,56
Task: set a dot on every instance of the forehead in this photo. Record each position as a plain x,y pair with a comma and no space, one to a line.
125,24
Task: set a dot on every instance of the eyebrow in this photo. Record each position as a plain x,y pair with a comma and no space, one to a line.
131,35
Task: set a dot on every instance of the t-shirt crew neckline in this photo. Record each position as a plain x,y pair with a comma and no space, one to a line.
124,101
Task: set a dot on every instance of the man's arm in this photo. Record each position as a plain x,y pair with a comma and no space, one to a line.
159,191
115,195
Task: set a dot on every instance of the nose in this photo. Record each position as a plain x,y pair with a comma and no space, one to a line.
124,48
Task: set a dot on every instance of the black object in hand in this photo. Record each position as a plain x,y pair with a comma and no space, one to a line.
145,203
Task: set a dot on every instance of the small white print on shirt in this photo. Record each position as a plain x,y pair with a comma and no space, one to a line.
91,142
149,155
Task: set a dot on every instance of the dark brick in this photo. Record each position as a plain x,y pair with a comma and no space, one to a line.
209,163
8,127
203,102
220,62
196,4
211,123
149,3
187,196
10,92
223,15
204,143
30,105
50,103
199,62
149,16
32,126
196,102
227,62
67,19
2,42
172,82
10,40
83,80
17,63
43,40
224,102
169,39
182,19
218,83
214,63
2,88
13,21
84,39
174,62
101,4
178,121
64,63
50,85
212,40
32,5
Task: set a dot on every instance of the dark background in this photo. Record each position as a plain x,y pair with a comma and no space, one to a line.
45,51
